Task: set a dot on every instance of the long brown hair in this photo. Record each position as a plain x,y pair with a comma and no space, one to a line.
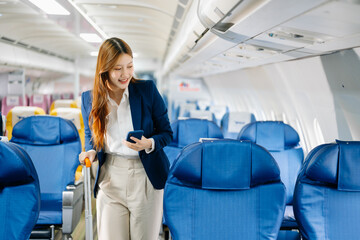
108,54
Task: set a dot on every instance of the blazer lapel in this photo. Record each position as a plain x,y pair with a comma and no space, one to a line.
135,106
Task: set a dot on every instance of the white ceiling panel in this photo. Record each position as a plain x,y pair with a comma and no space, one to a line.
145,24
21,24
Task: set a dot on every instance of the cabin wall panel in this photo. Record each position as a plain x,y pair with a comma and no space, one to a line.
305,91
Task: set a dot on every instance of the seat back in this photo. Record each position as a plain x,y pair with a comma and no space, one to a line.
53,97
53,144
75,116
68,95
327,192
11,101
223,189
18,113
202,104
188,131
282,141
202,114
185,108
39,100
219,111
233,122
19,192
63,103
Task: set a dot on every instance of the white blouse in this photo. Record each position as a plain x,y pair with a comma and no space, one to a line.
119,123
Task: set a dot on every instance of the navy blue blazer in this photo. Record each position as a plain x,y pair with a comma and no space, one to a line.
148,113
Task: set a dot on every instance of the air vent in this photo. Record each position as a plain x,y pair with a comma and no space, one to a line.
23,44
179,12
175,24
184,2
7,39
33,48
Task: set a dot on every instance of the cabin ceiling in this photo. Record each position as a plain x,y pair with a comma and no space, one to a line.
184,37
148,26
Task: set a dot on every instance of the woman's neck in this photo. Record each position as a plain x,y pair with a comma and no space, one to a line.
117,95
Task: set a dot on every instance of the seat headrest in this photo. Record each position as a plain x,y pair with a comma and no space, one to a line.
202,114
272,135
65,103
336,164
234,121
191,130
72,114
225,164
14,162
44,130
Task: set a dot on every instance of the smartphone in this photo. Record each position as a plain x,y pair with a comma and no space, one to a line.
137,134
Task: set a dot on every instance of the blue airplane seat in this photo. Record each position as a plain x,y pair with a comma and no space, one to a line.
19,192
282,141
224,189
327,192
187,131
53,144
233,122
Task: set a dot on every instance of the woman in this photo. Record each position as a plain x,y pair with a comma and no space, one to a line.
131,176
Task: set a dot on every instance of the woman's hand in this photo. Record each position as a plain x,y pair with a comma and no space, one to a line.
139,145
89,154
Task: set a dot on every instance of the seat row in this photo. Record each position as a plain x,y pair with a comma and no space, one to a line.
230,122
38,192
279,139
233,189
45,102
217,189
63,109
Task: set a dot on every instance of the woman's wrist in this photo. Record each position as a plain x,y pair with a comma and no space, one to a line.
149,143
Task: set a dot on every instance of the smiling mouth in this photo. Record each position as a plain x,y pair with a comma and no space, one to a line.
123,81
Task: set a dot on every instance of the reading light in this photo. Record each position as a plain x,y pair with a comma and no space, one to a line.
50,7
295,37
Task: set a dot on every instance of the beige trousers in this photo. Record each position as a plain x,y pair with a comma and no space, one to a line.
128,206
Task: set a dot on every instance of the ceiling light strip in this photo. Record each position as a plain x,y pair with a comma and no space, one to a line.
92,23
50,7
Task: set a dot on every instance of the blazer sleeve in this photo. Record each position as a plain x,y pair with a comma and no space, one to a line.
85,111
162,129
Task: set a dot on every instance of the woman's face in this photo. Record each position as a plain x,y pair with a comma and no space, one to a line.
122,73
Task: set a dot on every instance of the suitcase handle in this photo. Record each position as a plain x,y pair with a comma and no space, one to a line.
87,162
88,214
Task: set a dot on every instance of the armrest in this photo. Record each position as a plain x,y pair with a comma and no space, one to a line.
72,206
